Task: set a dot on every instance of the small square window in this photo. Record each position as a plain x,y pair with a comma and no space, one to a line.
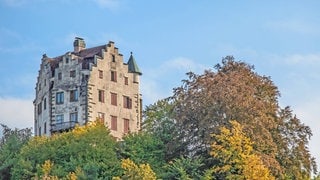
73,73
74,117
74,95
126,81
59,98
59,76
100,74
59,119
127,102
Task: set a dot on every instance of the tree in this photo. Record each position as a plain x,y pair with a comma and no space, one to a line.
159,121
236,157
206,102
89,148
133,171
11,142
183,168
143,148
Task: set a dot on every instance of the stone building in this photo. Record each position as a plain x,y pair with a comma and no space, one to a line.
85,85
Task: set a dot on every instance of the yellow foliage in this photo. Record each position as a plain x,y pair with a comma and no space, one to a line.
132,171
235,152
46,167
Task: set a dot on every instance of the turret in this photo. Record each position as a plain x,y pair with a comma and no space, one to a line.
133,68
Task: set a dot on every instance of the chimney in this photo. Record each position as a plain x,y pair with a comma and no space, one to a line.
79,44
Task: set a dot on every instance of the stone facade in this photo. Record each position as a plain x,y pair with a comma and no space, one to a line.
87,85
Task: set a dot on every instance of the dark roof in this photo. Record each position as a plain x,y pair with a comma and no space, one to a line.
90,52
132,66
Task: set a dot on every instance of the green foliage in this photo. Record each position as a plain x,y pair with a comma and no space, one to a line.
159,121
143,148
90,149
10,144
183,168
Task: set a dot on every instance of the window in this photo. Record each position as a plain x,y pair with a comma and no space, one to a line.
113,99
114,76
39,86
59,98
67,60
114,123
126,81
101,95
101,117
45,82
113,58
100,74
73,73
39,131
59,119
126,128
74,95
45,128
59,76
74,117
45,103
127,102
39,108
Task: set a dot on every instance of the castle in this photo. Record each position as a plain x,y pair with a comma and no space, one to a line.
86,85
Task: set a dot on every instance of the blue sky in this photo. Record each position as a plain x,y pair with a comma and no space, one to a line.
168,38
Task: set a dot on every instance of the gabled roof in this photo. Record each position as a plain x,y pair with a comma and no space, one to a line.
132,65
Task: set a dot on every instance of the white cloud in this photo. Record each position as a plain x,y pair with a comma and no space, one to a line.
16,112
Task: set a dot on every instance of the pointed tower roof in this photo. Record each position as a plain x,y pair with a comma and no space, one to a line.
132,65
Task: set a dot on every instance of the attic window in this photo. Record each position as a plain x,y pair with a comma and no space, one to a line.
113,58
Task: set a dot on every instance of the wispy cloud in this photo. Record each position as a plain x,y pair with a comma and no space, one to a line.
16,112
